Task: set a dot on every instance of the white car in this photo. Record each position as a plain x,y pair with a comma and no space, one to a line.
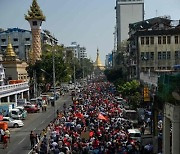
13,123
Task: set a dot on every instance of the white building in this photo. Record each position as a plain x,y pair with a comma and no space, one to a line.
127,11
2,75
78,51
82,53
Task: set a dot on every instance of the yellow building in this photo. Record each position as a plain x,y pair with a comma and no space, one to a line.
15,69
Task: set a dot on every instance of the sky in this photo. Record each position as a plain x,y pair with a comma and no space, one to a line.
90,23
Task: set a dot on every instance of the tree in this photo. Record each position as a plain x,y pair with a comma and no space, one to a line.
131,91
43,67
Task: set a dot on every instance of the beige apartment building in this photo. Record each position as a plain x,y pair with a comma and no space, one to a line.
154,45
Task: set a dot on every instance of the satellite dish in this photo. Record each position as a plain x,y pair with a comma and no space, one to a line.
176,95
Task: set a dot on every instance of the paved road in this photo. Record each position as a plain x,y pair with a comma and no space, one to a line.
20,143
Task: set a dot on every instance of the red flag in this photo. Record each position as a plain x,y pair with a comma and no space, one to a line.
101,117
91,133
1,117
79,115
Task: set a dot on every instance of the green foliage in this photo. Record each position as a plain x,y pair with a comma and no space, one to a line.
166,85
131,91
117,76
44,66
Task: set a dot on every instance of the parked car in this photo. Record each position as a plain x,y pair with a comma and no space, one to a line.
13,123
31,108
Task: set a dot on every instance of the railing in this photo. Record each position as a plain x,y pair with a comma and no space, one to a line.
13,88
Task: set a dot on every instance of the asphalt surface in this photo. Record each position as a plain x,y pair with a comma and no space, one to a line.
20,142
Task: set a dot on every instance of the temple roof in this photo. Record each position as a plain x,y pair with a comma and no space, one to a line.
9,50
35,12
98,62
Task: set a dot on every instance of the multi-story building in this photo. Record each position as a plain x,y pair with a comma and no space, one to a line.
108,60
82,53
154,45
2,75
22,40
74,47
127,11
78,51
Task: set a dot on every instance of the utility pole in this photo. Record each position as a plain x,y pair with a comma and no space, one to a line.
35,84
54,81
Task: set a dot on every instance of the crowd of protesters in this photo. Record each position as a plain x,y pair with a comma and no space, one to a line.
93,124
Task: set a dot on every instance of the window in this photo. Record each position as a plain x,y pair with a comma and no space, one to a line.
164,55
168,39
147,40
164,39
142,40
142,55
177,55
176,39
151,55
34,23
159,39
3,40
152,40
147,56
168,55
15,39
27,39
159,55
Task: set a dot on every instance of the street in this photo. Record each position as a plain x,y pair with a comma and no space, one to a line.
19,142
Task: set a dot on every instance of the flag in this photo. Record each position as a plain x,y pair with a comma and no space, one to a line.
101,117
91,133
79,115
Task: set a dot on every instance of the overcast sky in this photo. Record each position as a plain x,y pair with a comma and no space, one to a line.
88,22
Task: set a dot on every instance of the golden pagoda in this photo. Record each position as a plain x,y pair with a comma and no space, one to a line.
98,63
10,54
15,69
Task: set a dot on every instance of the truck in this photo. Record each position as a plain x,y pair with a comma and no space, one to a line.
6,107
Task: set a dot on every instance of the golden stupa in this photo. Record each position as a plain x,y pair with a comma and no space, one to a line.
98,63
15,69
9,50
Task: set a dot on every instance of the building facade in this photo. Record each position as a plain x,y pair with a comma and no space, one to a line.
21,40
77,51
2,75
82,53
108,61
154,45
127,11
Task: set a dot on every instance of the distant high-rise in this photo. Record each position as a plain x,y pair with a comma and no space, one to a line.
127,11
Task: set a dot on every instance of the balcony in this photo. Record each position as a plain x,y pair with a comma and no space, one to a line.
12,89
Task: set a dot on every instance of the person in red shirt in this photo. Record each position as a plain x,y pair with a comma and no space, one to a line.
5,141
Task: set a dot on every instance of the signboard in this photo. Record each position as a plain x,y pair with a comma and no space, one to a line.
146,94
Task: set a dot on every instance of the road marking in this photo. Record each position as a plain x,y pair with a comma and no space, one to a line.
34,129
42,121
21,141
9,151
49,115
